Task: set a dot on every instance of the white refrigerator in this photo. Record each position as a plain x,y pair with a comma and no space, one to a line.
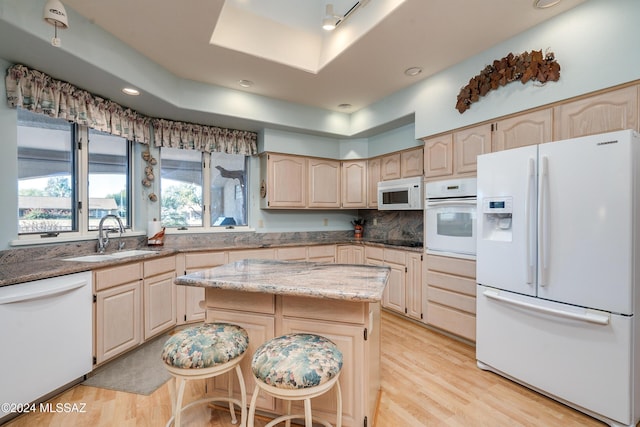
558,254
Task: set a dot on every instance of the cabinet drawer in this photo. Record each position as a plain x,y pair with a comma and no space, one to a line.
374,253
451,320
114,276
395,257
296,253
160,265
204,260
252,254
452,299
457,266
243,301
322,251
323,309
450,282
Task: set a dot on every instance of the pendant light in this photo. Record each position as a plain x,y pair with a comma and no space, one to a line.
56,15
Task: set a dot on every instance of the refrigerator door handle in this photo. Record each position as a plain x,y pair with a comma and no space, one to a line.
529,205
543,220
600,319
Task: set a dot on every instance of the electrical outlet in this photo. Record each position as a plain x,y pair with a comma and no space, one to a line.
325,221
375,221
260,223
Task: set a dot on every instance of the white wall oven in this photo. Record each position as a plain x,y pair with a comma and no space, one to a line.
450,218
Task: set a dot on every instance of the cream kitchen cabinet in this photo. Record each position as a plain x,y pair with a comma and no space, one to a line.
190,299
354,184
283,181
605,112
413,297
373,177
350,254
296,253
118,310
322,253
390,167
412,162
456,154
450,295
524,129
324,183
159,295
260,253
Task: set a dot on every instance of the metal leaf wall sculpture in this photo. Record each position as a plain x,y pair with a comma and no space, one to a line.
524,67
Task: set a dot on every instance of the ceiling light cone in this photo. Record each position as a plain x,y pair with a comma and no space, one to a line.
328,24
55,14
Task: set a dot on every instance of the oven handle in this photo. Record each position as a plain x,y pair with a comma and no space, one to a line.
452,202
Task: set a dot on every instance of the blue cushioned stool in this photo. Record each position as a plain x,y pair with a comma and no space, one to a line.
297,367
206,351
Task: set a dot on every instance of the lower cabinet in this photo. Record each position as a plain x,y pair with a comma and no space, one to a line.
190,299
133,302
450,296
350,254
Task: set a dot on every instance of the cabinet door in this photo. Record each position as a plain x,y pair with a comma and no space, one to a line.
394,295
286,181
412,163
468,144
350,254
191,298
373,177
323,253
159,304
118,320
414,286
350,341
525,129
354,184
324,183
611,111
260,329
391,167
438,156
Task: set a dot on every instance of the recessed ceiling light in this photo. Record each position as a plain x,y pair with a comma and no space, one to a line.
131,91
344,106
543,4
413,71
245,83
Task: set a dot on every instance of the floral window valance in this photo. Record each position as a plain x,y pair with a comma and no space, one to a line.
40,93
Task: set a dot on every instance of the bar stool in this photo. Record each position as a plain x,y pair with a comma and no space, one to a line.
206,351
297,367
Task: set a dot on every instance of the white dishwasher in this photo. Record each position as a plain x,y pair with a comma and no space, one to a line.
46,336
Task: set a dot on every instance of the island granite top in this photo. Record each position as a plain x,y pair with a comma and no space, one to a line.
363,283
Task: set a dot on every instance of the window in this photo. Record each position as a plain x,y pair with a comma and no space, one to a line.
46,175
184,203
108,177
65,185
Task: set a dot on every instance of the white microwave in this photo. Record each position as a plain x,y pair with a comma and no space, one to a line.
401,194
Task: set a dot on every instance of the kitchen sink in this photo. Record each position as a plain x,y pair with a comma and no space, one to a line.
111,256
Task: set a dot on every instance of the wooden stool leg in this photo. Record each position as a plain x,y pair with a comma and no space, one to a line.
232,409
181,382
252,407
308,418
288,422
339,405
243,397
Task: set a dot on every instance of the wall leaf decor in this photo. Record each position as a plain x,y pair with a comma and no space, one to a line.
526,66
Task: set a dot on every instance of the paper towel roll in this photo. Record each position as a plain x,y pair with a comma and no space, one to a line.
153,228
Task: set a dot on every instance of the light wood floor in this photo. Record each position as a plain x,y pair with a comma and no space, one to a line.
428,379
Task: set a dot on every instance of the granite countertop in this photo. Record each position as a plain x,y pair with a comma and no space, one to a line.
19,270
308,279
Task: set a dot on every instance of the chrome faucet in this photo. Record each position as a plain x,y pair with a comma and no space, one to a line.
103,236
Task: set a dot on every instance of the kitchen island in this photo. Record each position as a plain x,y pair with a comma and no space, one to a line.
339,301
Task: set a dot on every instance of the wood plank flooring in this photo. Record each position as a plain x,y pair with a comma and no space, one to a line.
428,379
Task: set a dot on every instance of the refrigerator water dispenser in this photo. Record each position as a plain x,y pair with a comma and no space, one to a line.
497,215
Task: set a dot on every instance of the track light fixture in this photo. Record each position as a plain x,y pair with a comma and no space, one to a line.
331,20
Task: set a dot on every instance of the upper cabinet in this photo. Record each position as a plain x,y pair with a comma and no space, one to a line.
324,183
373,177
610,111
524,129
411,162
354,184
284,181
456,153
390,167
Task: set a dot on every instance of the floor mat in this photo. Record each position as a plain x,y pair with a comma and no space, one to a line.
141,371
